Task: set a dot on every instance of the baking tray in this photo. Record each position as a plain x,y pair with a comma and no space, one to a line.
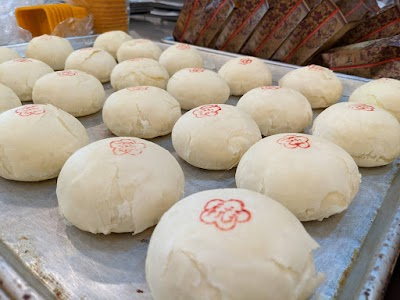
51,260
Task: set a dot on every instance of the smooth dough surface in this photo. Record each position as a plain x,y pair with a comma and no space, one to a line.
244,74
180,56
119,185
75,92
138,48
8,99
230,244
370,134
277,110
312,177
8,54
111,41
214,136
36,140
319,85
196,86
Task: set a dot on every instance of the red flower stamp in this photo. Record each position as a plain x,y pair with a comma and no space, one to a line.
362,106
137,88
295,141
245,61
270,87
210,110
225,214
66,73
315,68
30,110
183,47
127,146
196,70
23,60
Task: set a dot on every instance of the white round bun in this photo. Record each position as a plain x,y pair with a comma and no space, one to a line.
75,92
371,135
118,185
50,49
244,74
111,41
93,61
319,85
36,141
8,99
214,136
196,86
8,54
230,244
277,110
180,56
139,72
141,111
138,48
21,75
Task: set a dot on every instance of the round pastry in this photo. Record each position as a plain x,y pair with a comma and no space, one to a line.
196,86
214,137
96,62
21,75
73,91
383,93
8,99
180,56
244,74
118,185
139,72
111,41
319,85
276,109
371,135
8,54
138,48
230,244
36,140
50,49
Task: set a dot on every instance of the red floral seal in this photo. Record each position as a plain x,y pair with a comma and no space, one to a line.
315,68
225,214
270,87
30,110
66,73
196,70
207,111
245,61
137,88
362,106
294,141
127,146
183,47
23,60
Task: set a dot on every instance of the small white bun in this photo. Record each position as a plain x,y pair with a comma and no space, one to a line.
139,72
230,244
370,134
319,85
244,74
180,56
21,75
8,54
277,110
214,136
111,41
8,99
141,111
311,176
138,48
96,62
50,49
383,93
119,185
36,141
75,92
196,86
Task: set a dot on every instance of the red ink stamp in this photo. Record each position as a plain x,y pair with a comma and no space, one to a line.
196,70
207,111
362,106
127,146
66,73
30,110
23,60
245,61
295,141
270,87
315,68
137,88
136,59
183,47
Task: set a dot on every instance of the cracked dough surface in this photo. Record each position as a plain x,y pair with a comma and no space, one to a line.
180,56
8,54
8,99
138,48
111,41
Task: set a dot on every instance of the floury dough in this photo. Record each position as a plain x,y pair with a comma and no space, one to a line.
119,185
214,136
141,111
36,140
230,244
75,92
8,99
111,41
7,54
196,86
138,48
311,176
180,56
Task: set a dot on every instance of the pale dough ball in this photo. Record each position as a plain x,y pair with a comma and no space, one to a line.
230,244
196,86
371,135
8,54
21,75
138,48
50,49
139,72
111,41
75,92
96,62
36,140
276,109
384,93
118,185
8,99
319,85
214,137
180,56
244,74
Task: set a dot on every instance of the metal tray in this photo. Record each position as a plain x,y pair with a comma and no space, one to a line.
44,258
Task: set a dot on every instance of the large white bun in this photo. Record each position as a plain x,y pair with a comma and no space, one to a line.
180,56
111,41
8,99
